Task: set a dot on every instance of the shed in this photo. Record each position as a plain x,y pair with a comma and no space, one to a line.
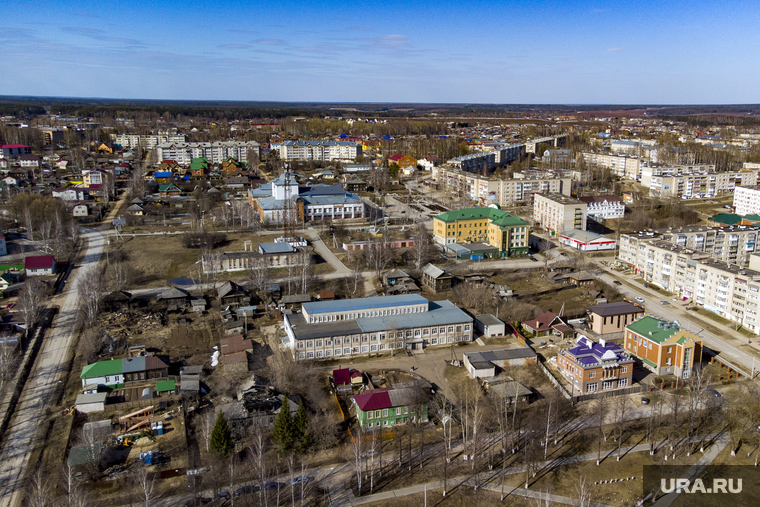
489,325
326,295
87,403
166,387
199,305
84,454
237,362
342,376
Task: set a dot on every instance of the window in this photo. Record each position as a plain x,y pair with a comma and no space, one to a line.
398,410
309,344
382,347
385,412
425,332
337,341
319,353
590,388
309,355
416,332
319,343
622,382
364,348
650,345
607,384
328,353
591,374
434,330
623,369
370,415
467,327
406,411
434,341
377,414
355,350
442,330
451,329
373,348
385,423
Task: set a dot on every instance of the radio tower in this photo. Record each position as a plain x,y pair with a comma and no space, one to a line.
289,212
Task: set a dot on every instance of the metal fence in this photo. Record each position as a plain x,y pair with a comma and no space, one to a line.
612,393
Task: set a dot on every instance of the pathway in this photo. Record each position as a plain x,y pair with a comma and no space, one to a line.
26,431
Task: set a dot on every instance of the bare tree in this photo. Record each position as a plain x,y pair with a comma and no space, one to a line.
620,404
76,496
601,408
260,275
421,249
40,490
354,455
8,361
585,492
355,278
378,255
257,461
145,484
206,426
119,275
30,302
91,291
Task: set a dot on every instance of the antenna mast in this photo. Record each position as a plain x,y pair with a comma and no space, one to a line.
289,211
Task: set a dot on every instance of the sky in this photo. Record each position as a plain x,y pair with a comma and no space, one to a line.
494,52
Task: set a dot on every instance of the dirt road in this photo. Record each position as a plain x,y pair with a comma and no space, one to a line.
26,431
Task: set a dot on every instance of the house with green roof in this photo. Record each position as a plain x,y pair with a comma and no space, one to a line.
489,225
107,373
169,190
199,167
662,346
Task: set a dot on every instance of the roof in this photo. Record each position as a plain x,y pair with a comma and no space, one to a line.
9,146
142,363
726,218
589,354
236,358
657,330
387,398
83,454
619,308
433,271
396,273
296,298
584,236
102,368
488,320
39,262
165,385
507,389
499,217
234,343
600,198
84,399
272,248
174,293
500,355
162,174
344,305
190,385
543,321
342,376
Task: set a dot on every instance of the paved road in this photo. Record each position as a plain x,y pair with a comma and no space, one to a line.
27,428
726,342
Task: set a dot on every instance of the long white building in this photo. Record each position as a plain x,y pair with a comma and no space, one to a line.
747,200
319,150
148,142
216,152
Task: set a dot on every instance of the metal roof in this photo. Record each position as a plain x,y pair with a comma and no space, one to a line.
272,248
345,305
84,399
488,320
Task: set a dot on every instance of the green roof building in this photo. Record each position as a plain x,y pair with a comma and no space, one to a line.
497,228
663,347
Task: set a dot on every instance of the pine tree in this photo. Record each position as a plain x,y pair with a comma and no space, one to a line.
282,433
221,439
301,429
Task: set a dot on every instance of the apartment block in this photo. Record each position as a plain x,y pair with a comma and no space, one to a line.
747,200
621,165
488,190
556,141
483,162
216,152
319,150
604,207
498,228
694,181
374,325
148,142
734,244
558,213
663,347
728,290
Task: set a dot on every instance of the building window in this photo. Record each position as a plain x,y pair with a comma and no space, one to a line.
623,369
434,341
622,382
337,341
442,330
319,353
591,374
377,414
590,388
309,355
373,348
607,384
385,423
370,414
309,344
385,412
398,410
319,343
451,329
355,350
434,330
425,332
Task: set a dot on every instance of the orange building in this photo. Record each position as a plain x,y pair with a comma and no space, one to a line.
663,347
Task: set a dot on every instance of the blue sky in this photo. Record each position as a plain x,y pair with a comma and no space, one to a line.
570,52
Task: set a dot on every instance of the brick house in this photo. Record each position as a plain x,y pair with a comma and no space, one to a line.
612,317
663,347
39,265
592,367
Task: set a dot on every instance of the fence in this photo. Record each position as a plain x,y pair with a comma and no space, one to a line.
615,392
554,381
731,366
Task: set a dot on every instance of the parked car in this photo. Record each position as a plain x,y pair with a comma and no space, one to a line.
617,282
273,485
639,299
533,259
714,393
663,302
644,400
224,495
301,479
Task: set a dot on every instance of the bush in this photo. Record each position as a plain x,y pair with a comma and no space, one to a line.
203,239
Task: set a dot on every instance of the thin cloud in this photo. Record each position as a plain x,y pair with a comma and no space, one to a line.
100,35
235,46
270,42
613,50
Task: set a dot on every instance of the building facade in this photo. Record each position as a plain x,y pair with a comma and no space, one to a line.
487,190
663,347
319,150
747,200
591,367
623,166
694,181
383,408
558,213
498,228
148,142
603,207
216,152
375,325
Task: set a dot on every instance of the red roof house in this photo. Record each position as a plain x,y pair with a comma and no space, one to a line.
342,376
544,324
39,265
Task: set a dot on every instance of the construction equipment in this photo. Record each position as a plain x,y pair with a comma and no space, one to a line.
69,410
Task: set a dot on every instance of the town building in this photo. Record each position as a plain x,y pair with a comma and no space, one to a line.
39,265
504,192
488,325
733,244
11,151
663,347
147,142
498,228
483,163
374,325
603,207
319,150
611,318
592,367
387,407
694,181
558,213
586,241
486,364
621,165
216,152
436,279
547,323
309,203
747,200
115,372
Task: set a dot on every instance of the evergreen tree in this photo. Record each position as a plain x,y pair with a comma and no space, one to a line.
282,433
221,439
301,429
